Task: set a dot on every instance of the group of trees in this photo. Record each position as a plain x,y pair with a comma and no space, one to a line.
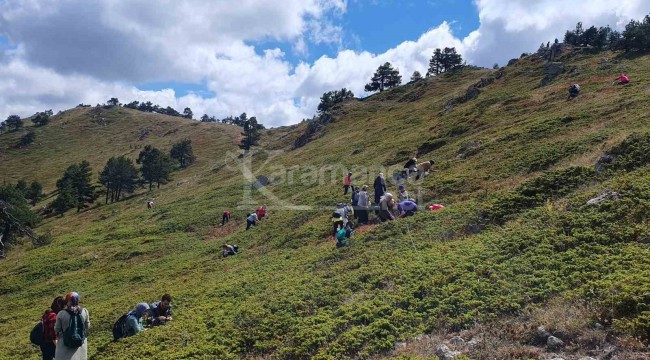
444,60
441,61
33,192
13,122
251,127
331,98
148,106
75,188
26,139
635,37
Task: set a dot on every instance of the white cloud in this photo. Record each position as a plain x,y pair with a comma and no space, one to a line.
72,51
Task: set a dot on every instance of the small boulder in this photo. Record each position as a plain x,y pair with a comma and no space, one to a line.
587,358
399,345
553,343
473,343
599,326
443,353
457,340
606,196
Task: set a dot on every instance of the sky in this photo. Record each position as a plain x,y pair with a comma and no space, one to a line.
271,59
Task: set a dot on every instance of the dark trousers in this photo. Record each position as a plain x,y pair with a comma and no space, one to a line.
249,224
345,189
363,216
378,196
48,349
225,219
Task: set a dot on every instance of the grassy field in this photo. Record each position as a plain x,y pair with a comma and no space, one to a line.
515,168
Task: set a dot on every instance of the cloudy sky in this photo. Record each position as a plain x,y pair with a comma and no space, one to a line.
269,58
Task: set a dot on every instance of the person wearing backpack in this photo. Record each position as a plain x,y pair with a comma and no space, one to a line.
160,312
48,337
72,330
134,320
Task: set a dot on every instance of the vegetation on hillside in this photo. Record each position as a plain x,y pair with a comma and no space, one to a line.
515,171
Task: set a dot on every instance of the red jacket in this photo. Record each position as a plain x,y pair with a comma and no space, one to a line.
49,318
348,180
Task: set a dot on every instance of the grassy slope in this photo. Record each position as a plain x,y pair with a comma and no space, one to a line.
289,293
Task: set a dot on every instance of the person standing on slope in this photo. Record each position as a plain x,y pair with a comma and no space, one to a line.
347,182
63,324
50,338
225,218
380,187
362,205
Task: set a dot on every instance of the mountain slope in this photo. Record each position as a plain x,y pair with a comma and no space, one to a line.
516,231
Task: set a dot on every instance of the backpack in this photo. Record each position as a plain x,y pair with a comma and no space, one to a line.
75,334
118,327
37,336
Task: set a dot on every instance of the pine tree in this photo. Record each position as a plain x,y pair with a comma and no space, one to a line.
119,177
435,64
156,166
183,153
77,180
384,78
416,77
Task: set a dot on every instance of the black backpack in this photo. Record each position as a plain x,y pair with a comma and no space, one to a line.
118,327
75,334
37,335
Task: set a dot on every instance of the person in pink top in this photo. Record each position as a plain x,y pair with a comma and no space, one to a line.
622,80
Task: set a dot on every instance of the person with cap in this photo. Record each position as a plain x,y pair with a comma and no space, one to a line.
423,168
347,182
406,208
134,319
402,194
380,187
63,322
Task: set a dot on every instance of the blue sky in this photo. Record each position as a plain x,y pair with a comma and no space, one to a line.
370,25
217,56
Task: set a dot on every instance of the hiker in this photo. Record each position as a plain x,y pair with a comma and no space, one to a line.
262,213
342,236
406,208
347,182
71,328
134,319
48,345
402,193
423,168
225,218
410,166
160,312
574,90
622,80
355,200
362,205
149,204
337,222
230,250
251,220
386,206
380,187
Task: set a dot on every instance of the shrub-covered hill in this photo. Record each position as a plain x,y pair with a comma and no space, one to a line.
515,170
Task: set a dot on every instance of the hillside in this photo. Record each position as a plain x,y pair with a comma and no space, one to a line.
516,240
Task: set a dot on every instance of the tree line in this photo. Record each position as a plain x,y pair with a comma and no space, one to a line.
119,176
635,36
